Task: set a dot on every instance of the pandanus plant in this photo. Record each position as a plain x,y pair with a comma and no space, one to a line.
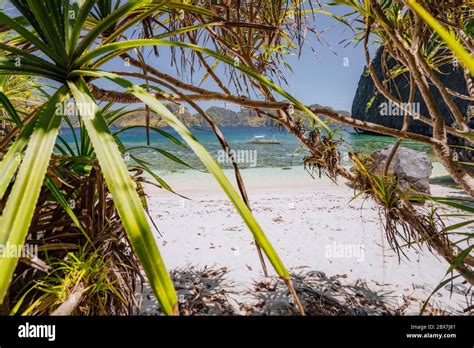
68,43
418,40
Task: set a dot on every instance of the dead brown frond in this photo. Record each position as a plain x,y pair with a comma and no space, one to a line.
320,295
324,157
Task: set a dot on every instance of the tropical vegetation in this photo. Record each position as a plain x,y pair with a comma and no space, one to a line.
85,206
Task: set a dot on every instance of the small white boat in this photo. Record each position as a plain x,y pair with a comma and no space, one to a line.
260,139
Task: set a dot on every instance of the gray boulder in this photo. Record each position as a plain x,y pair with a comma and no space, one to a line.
412,168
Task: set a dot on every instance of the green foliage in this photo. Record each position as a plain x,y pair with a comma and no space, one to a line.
461,232
88,273
63,50
469,28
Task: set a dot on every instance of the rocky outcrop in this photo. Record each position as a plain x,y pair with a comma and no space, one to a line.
411,168
369,105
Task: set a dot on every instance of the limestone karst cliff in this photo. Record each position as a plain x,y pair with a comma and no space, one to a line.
368,104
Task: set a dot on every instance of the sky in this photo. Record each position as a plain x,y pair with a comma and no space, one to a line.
331,78
328,76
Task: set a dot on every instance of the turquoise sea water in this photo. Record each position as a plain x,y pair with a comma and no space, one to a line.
287,153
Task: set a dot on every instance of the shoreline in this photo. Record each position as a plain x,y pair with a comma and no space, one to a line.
308,221
262,179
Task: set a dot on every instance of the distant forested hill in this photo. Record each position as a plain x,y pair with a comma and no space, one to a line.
223,117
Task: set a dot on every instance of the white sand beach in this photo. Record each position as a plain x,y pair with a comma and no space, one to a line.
313,225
